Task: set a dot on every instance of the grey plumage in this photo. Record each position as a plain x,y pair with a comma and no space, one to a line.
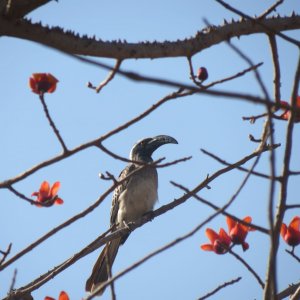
131,200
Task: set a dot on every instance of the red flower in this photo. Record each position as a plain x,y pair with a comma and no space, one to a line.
219,242
202,74
291,233
41,83
48,196
62,296
238,232
287,113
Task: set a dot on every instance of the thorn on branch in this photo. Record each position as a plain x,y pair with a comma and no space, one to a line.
207,186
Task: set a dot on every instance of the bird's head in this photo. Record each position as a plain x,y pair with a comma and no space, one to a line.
144,148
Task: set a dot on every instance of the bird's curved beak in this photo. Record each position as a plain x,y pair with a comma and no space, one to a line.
164,139
158,141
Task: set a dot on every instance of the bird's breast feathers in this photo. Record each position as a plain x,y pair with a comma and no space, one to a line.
139,196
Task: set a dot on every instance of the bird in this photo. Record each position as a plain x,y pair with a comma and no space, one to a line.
133,198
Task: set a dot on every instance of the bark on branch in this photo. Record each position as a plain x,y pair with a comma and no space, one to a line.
71,42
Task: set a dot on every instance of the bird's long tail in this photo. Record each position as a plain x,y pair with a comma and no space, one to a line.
102,267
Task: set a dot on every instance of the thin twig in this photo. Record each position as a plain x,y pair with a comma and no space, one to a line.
293,255
224,212
292,206
253,119
250,269
239,168
239,74
220,287
270,9
92,143
22,196
13,281
52,124
109,78
69,221
5,253
121,158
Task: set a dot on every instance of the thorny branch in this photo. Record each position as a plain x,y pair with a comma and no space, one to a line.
258,22
73,43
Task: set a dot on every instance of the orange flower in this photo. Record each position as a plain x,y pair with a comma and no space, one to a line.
48,196
41,83
287,113
291,233
219,242
62,296
238,232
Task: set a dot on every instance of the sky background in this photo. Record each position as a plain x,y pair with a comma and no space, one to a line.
199,121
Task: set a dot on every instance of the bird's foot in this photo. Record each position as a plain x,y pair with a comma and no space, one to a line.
128,226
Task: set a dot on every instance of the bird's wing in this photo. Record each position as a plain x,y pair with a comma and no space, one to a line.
118,191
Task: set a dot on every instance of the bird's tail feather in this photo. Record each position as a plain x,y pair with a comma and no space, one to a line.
101,269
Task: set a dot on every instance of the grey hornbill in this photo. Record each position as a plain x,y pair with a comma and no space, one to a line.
131,200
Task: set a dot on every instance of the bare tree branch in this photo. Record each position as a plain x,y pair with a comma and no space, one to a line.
250,269
258,22
220,287
70,42
109,78
224,212
270,9
52,124
18,9
271,281
288,291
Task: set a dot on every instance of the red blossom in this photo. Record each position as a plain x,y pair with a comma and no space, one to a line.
48,196
286,114
291,233
62,296
219,242
41,83
202,74
238,232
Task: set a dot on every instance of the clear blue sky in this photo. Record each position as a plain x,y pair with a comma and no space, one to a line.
185,271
